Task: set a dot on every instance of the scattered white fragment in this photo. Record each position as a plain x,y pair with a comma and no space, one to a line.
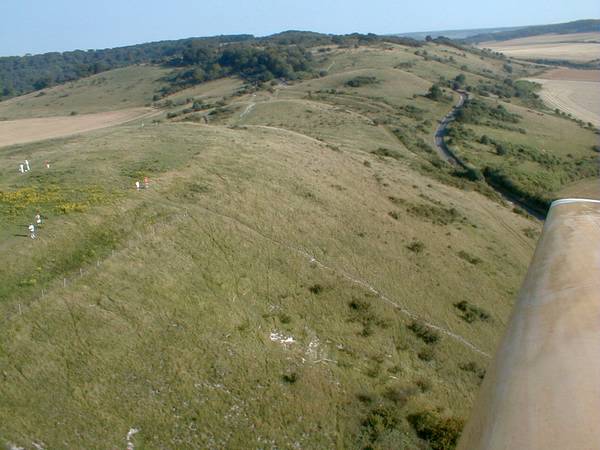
281,338
132,432
312,352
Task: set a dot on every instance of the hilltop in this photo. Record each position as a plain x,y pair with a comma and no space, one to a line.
303,269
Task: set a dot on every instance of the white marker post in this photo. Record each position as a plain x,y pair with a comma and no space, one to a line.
21,168
27,165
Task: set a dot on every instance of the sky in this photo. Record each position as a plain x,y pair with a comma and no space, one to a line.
38,26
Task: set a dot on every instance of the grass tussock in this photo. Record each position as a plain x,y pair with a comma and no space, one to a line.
470,313
424,332
435,214
441,433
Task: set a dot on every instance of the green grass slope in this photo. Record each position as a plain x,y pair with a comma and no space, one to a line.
169,326
128,87
302,272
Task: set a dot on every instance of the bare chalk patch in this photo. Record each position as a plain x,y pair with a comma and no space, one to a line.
281,338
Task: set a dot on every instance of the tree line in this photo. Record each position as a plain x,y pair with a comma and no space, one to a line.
282,55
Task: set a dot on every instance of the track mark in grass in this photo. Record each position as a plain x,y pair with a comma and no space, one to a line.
312,260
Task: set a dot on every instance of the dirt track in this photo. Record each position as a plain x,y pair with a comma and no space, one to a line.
39,129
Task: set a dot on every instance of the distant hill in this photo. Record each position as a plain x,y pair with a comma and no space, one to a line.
281,55
578,26
454,34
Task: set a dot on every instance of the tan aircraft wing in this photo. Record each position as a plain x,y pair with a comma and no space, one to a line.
542,390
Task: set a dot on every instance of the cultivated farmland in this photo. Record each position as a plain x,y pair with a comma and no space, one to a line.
575,92
578,47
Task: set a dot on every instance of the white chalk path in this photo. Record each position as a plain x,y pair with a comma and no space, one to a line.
311,259
249,108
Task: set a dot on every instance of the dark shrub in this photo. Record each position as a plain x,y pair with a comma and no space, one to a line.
424,332
440,433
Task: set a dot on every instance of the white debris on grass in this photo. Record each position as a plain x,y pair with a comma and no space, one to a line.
312,351
132,432
281,338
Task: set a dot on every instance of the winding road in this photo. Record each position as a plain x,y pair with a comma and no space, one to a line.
451,158
440,145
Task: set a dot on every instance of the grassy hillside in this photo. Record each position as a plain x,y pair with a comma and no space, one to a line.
303,270
533,153
169,327
129,87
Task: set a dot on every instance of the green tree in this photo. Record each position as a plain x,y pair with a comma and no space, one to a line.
435,93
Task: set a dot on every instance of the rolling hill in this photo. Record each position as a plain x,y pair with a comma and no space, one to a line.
577,26
301,270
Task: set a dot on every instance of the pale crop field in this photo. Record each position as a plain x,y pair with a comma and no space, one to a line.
588,188
36,129
574,47
575,92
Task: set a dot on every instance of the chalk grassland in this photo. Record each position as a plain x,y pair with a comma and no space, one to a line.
582,47
276,285
541,154
175,324
36,129
125,88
